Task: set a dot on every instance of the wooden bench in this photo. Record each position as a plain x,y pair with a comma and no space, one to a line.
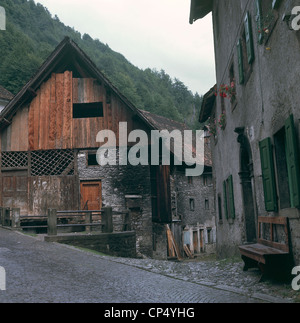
272,257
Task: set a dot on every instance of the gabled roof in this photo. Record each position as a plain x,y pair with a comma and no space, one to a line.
66,56
5,94
161,123
199,9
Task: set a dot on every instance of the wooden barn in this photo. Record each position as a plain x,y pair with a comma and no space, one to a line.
48,149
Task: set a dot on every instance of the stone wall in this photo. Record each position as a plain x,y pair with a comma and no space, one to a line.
195,209
117,183
122,244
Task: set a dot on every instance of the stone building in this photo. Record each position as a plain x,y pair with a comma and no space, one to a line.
253,115
49,143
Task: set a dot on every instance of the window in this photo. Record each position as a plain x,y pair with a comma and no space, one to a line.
92,159
220,207
229,208
266,18
87,110
287,165
232,86
207,179
209,235
206,204
249,38
293,162
192,205
281,169
268,175
245,51
240,50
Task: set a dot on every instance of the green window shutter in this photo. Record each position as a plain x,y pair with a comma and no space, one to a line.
240,61
249,38
225,199
231,197
259,20
268,174
276,4
293,162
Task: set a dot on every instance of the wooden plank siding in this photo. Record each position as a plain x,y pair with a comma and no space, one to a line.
47,122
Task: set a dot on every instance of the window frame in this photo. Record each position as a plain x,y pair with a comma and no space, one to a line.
228,198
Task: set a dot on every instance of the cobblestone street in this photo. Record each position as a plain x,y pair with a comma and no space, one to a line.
224,274
40,272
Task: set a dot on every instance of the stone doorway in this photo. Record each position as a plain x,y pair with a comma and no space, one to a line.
246,177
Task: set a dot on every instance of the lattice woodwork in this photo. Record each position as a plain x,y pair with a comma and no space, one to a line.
14,159
52,163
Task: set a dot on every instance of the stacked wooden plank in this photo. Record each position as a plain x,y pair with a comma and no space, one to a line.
173,249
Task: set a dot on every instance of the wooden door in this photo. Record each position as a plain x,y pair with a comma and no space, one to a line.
91,195
201,240
161,194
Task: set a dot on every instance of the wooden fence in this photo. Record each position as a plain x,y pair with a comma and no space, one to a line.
102,219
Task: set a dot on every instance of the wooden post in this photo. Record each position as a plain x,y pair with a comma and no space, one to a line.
88,220
107,220
52,222
15,220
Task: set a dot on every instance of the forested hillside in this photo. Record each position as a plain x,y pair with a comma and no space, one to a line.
32,34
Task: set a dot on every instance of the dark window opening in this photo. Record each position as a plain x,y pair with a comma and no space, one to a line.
209,235
92,159
220,207
229,207
206,204
88,110
232,86
192,205
207,179
282,171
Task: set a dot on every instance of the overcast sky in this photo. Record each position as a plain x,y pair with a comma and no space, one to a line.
154,34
